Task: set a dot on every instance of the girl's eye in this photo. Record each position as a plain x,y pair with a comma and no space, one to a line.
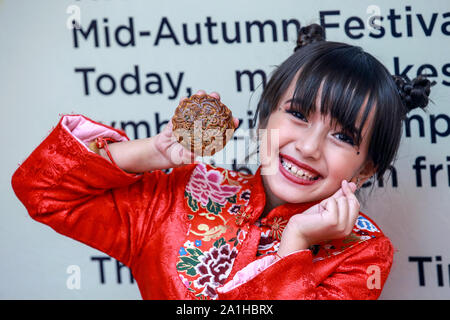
298,115
345,138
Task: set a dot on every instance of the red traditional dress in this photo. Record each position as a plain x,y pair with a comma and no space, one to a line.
193,233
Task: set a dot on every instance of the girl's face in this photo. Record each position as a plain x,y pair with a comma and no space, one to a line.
313,156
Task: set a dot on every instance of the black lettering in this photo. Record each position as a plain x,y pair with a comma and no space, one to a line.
102,271
434,131
237,33
260,27
92,27
359,26
432,71
198,37
209,25
433,171
448,175
251,76
85,78
174,86
112,85
445,26
324,25
135,127
446,71
378,27
156,83
420,123
392,17
119,267
128,30
408,22
243,169
134,78
169,35
392,175
397,68
420,267
285,25
106,30
440,276
158,123
427,29
417,166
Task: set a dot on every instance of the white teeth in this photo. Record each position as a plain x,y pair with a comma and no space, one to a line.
297,171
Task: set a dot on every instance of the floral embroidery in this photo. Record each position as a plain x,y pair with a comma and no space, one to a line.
242,216
276,227
189,260
239,238
235,209
214,267
216,201
267,244
205,187
363,223
245,195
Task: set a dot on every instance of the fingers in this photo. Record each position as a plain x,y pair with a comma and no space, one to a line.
348,190
353,204
236,122
215,95
331,212
343,215
188,156
338,194
341,210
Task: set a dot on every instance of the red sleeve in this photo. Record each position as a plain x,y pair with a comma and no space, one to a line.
83,196
357,273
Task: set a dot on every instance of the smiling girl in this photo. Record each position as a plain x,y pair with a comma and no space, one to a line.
333,117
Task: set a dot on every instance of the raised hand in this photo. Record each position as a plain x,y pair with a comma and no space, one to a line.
333,218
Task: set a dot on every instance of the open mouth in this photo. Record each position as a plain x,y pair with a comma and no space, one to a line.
297,173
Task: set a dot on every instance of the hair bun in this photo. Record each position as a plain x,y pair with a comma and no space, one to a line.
414,94
310,34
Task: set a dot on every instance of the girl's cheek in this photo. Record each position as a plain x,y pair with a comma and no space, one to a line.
339,166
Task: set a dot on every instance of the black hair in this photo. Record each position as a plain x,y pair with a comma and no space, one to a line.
349,76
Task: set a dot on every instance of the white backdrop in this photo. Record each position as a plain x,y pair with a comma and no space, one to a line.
130,63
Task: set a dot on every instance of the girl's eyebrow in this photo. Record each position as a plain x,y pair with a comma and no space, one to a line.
294,101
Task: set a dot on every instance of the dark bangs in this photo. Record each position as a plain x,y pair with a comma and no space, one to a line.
344,89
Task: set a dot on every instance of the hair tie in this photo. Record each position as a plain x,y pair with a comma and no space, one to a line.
309,34
414,94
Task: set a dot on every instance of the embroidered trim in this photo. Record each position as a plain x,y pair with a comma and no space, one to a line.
363,230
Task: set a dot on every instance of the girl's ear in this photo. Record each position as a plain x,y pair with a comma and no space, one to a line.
367,171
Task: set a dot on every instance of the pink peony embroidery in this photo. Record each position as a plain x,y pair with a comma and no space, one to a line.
205,185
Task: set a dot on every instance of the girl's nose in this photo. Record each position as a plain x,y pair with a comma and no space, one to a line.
309,145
